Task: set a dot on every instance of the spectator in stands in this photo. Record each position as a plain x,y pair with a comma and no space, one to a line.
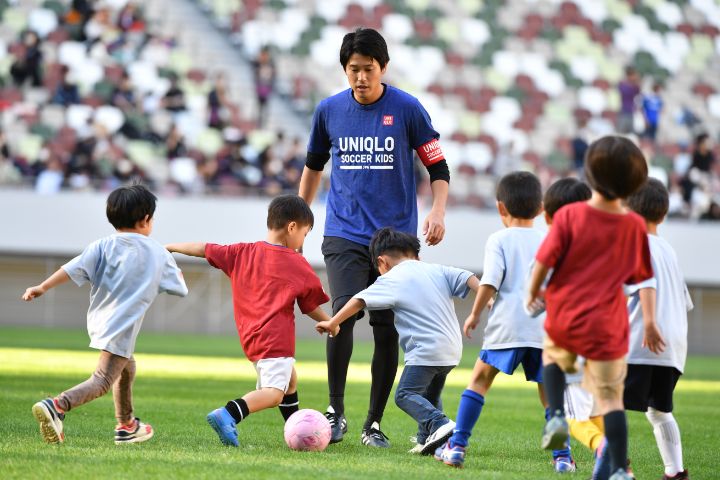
629,89
124,96
9,172
175,143
697,182
28,65
130,18
264,68
66,92
579,145
217,102
51,178
703,156
174,99
652,105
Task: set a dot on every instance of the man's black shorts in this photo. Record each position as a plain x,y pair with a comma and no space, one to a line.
350,270
650,386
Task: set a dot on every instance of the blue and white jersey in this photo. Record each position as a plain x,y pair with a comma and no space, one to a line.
371,146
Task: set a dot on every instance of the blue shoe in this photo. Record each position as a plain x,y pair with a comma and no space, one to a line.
453,456
601,470
224,425
564,465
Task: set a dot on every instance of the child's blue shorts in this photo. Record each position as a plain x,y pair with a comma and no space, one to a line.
507,360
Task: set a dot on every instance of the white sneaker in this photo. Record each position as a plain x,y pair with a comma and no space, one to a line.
417,448
50,420
437,438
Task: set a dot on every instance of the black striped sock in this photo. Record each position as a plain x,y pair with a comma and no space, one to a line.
238,409
289,405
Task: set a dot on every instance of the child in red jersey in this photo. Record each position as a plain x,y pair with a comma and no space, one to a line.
595,248
267,278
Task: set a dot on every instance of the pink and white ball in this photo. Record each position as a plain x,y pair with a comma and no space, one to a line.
307,430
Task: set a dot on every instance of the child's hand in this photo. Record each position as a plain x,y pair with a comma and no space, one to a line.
33,292
470,323
328,327
653,339
535,305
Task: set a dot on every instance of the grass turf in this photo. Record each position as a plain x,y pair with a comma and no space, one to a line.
182,377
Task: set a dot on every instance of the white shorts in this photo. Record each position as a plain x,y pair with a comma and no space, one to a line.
579,403
274,372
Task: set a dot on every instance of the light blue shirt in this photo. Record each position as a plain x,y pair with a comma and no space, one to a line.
420,294
508,256
126,272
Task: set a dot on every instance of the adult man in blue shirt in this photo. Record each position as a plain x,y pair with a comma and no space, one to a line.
369,131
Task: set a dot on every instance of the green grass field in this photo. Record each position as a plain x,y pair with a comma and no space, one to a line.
182,377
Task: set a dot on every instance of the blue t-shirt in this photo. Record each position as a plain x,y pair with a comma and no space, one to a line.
372,181
652,105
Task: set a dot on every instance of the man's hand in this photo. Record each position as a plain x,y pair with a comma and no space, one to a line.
434,228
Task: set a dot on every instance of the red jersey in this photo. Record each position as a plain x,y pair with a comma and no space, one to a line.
594,253
266,281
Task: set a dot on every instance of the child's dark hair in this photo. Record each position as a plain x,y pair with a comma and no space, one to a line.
366,42
651,201
521,193
388,241
288,208
128,205
615,167
563,192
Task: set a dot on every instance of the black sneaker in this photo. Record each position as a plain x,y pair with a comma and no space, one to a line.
338,425
373,437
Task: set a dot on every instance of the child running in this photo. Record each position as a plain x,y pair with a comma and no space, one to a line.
126,271
512,337
652,377
267,278
594,247
585,424
420,294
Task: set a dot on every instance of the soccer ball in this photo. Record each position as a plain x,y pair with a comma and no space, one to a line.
307,430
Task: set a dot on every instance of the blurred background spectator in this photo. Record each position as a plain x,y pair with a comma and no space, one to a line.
96,93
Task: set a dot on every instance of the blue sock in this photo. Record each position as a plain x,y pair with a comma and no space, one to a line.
471,404
564,452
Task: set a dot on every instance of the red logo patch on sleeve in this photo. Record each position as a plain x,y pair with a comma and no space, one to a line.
387,120
430,152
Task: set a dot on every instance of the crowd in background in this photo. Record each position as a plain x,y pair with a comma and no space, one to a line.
61,132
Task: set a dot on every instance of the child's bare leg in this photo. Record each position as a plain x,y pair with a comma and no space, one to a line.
482,377
108,370
541,395
472,401
263,398
607,379
122,394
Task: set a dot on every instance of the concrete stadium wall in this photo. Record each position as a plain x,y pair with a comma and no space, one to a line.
41,233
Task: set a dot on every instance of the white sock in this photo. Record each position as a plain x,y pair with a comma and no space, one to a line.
667,436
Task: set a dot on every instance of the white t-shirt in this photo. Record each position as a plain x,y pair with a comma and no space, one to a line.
673,303
508,256
420,294
126,272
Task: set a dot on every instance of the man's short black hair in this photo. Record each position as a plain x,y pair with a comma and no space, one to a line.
128,205
366,42
651,201
615,167
521,193
288,208
565,191
388,241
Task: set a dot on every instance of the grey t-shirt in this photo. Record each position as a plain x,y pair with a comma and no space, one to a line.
420,294
508,256
126,272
